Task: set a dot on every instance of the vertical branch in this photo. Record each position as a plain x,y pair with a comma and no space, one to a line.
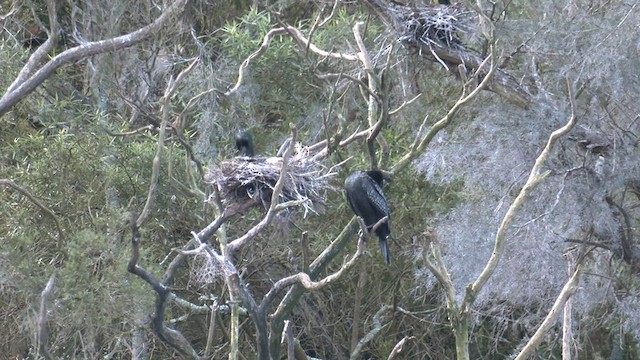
288,332
357,307
375,117
212,328
235,329
41,326
459,320
567,333
157,160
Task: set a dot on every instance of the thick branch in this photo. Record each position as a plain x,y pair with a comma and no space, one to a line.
41,54
305,280
10,98
166,334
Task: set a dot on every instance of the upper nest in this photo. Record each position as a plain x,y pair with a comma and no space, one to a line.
250,181
428,25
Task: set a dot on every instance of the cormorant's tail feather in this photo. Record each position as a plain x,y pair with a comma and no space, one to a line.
384,248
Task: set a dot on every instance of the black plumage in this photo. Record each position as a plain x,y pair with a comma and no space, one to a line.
244,143
366,198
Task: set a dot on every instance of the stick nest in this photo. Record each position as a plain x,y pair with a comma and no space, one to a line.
429,25
244,181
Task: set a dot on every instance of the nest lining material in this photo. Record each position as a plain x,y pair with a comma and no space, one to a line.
243,179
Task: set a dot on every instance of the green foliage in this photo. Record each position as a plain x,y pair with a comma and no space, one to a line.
87,179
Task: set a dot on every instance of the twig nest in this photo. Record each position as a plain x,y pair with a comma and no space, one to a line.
247,182
427,24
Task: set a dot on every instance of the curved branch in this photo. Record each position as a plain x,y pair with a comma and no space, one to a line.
40,55
442,123
10,98
377,327
297,35
39,204
535,177
166,334
305,280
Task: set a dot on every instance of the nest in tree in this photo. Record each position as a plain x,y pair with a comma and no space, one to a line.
426,25
244,182
429,25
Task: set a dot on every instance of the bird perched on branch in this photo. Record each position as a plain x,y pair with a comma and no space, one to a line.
244,143
364,194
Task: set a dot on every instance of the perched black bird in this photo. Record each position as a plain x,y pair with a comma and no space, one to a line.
244,143
366,199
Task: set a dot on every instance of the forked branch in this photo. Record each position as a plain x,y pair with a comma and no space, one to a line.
535,177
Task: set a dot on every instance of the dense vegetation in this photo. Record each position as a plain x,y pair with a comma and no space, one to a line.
116,243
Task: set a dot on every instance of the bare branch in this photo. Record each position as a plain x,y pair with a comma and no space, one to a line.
10,98
357,308
377,327
297,35
157,160
41,326
305,280
442,123
238,243
41,54
398,348
535,177
288,335
567,291
172,337
567,333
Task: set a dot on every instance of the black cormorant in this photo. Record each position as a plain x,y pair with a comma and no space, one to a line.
364,194
244,143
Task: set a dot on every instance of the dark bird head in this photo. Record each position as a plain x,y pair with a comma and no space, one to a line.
244,143
363,190
444,2
377,176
